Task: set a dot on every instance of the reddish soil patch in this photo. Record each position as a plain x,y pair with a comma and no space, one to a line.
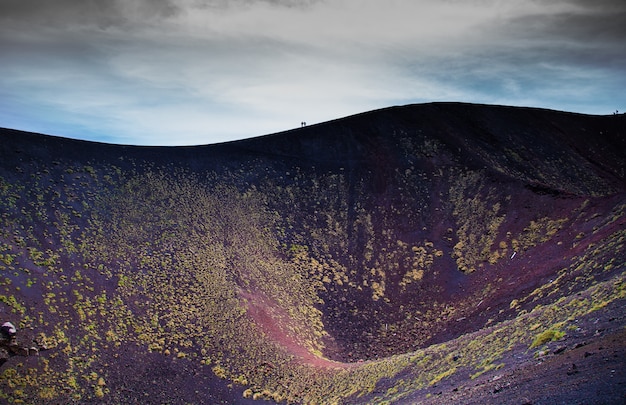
270,319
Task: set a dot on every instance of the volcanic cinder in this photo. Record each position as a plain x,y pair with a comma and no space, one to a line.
435,253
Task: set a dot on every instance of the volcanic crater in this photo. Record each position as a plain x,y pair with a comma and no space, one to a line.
432,253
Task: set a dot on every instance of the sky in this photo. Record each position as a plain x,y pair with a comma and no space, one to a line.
191,72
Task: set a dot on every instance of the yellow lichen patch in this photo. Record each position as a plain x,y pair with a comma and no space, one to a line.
547,336
478,218
421,262
442,375
539,231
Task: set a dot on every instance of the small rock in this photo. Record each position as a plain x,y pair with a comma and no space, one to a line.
573,370
579,345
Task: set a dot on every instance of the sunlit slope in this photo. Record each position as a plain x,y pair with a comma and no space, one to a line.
391,249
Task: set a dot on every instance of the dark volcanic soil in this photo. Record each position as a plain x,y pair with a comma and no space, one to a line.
587,367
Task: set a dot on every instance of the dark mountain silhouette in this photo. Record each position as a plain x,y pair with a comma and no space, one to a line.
436,253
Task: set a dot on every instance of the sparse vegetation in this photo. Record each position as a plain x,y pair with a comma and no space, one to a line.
478,219
546,336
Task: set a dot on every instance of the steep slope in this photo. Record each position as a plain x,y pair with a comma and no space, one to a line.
368,259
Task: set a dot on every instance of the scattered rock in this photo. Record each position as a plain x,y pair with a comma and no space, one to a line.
579,345
499,388
573,370
543,353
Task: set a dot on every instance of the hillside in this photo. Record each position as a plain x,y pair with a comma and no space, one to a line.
429,253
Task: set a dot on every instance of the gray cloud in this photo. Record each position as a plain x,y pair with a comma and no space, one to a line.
600,22
101,13
239,3
572,35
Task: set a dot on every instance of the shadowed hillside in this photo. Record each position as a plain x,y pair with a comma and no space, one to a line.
430,253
